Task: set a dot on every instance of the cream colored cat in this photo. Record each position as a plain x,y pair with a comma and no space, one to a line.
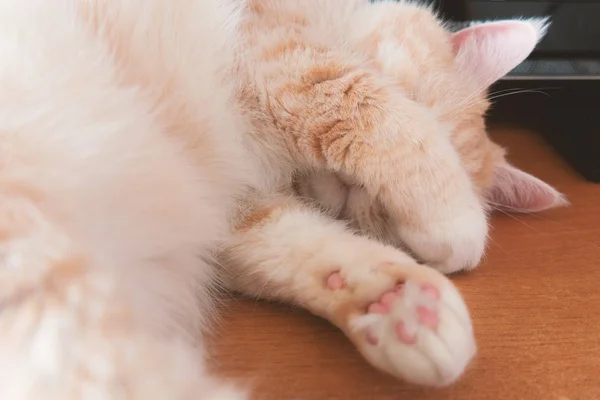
142,138
383,105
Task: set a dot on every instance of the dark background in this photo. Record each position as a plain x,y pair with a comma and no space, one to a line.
565,108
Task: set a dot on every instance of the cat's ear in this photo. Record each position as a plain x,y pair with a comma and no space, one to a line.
517,191
487,51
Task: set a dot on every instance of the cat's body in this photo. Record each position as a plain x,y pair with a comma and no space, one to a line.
113,184
140,136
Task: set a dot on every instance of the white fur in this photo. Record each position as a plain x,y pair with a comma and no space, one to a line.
437,358
116,191
292,257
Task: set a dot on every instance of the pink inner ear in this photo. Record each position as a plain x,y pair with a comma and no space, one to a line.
480,32
488,51
517,191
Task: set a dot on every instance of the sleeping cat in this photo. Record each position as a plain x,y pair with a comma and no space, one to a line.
382,104
146,143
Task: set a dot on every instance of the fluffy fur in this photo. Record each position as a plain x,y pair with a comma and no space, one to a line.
140,139
113,184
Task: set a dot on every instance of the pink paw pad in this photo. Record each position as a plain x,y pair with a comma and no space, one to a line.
428,317
426,314
431,291
372,339
378,308
404,335
388,299
385,301
335,281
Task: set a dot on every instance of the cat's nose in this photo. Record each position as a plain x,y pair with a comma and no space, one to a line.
453,245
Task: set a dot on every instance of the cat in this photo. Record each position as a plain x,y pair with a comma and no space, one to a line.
149,151
428,77
377,110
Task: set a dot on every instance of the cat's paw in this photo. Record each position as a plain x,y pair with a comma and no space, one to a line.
418,330
455,244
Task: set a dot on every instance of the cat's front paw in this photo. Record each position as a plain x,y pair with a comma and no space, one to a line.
454,244
418,329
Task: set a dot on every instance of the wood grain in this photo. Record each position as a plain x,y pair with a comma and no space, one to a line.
535,302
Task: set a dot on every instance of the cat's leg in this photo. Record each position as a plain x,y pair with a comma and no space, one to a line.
406,319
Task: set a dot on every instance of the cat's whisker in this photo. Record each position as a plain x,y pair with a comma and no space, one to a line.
463,105
502,249
483,86
468,101
496,95
503,91
503,208
480,89
519,92
500,207
518,220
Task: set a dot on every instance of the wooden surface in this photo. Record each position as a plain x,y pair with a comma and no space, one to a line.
535,303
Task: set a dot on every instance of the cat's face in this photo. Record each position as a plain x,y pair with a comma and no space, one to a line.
453,80
448,73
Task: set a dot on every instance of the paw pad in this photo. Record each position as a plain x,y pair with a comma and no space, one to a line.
417,328
428,317
335,281
425,313
405,334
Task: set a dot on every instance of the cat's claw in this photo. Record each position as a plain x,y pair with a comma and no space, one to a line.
418,330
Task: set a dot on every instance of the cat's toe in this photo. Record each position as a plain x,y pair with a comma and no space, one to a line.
335,281
420,332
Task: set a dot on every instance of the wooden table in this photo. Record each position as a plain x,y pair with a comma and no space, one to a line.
535,303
